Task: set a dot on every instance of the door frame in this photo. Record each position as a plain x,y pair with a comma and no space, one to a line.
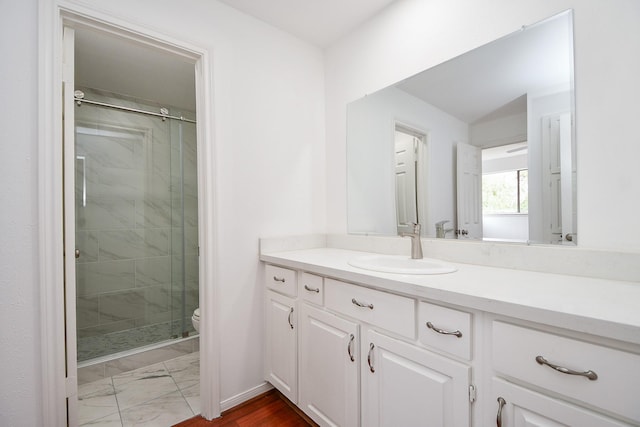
53,16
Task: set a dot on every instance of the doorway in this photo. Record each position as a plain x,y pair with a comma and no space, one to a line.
57,268
136,228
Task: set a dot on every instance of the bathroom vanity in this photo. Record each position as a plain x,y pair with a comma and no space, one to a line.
476,347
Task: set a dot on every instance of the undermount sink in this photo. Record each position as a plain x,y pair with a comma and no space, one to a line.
401,264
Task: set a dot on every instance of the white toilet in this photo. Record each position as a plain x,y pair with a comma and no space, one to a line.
195,319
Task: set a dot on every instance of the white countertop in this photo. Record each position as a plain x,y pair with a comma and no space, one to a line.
603,307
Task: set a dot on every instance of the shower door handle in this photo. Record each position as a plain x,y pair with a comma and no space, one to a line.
77,253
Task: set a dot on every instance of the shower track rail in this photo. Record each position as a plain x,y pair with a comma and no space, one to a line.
80,99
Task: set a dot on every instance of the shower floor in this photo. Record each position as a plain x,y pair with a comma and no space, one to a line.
103,345
158,395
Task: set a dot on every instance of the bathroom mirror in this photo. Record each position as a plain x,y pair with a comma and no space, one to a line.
479,147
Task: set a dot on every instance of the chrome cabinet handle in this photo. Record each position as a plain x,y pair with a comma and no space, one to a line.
289,318
349,351
361,304
278,279
589,374
371,347
442,331
501,403
316,290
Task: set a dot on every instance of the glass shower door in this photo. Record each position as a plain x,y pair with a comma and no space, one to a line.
131,221
184,259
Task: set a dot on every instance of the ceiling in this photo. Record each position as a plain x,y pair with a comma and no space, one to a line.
320,22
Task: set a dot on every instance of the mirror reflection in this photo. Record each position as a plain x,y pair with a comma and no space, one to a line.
479,147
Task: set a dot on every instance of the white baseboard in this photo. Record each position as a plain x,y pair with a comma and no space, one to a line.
244,396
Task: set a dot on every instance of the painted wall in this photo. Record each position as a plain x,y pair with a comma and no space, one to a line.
412,35
269,122
19,296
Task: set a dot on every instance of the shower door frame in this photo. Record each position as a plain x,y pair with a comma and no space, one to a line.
57,357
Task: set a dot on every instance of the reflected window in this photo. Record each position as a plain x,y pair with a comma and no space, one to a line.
505,192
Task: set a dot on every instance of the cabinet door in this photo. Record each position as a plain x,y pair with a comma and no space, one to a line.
524,408
329,351
404,385
281,361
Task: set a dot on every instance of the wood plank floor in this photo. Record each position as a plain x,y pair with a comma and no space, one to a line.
268,409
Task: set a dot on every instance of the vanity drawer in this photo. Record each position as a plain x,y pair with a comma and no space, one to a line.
311,288
445,329
280,280
391,312
616,389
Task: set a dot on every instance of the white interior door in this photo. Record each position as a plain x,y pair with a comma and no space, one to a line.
469,191
406,161
70,253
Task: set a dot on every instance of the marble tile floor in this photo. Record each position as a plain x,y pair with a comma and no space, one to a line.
158,395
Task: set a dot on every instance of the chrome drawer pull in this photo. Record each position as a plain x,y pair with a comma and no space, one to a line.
278,279
501,403
289,318
442,331
371,347
361,304
316,290
589,374
349,351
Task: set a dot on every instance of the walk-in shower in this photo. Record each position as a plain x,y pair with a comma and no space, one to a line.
136,223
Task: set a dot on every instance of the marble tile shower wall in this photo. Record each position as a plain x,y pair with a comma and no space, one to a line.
134,201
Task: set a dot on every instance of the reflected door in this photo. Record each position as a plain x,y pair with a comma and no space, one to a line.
559,174
406,162
469,189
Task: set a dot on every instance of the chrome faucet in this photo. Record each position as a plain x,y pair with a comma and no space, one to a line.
441,232
416,244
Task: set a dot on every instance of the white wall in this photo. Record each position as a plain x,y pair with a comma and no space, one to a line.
19,297
412,35
269,124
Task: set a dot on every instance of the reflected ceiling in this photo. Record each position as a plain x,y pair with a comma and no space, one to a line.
501,72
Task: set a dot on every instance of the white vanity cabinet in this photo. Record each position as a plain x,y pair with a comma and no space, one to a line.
375,351
281,356
574,378
404,385
329,361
